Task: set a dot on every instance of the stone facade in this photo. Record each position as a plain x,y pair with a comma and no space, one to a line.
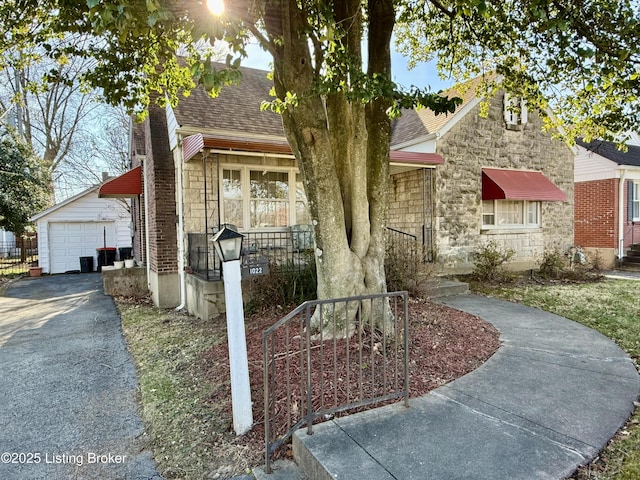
476,142
194,173
472,143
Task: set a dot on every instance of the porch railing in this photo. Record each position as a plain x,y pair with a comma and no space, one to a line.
408,245
359,358
292,247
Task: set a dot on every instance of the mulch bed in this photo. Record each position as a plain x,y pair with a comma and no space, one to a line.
445,344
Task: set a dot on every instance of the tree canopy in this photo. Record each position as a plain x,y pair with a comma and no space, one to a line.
24,183
575,59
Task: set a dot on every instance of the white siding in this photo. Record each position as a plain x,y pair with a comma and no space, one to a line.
86,208
591,166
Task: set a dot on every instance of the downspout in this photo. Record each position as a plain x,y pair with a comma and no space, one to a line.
621,203
146,224
181,249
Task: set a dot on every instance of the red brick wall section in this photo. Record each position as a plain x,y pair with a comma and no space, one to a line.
595,213
163,239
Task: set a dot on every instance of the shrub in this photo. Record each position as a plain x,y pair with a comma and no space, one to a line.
405,268
553,264
490,262
286,284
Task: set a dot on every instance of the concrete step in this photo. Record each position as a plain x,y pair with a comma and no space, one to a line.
444,287
630,266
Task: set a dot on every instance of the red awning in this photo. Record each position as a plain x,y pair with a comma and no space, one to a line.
415,158
192,145
518,185
224,142
127,185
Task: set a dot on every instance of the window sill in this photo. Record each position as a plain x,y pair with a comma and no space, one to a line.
508,230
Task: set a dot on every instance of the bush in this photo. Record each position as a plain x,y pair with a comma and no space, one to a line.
405,268
572,266
553,264
490,262
285,285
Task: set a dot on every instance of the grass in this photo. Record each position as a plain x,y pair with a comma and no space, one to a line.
189,435
611,307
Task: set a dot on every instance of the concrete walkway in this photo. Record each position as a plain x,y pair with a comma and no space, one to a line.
67,385
547,402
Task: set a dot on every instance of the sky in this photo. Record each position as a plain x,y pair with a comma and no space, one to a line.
423,75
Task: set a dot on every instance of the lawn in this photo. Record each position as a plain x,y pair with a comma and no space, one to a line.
611,307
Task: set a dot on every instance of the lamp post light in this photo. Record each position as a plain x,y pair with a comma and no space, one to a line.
228,245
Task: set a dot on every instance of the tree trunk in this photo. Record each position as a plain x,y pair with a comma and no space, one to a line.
342,150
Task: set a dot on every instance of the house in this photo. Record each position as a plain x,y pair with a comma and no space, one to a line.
456,181
78,226
607,199
502,180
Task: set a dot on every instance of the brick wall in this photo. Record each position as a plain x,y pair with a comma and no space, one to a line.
476,142
409,202
596,218
161,191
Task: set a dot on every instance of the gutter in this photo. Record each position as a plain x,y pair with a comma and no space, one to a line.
146,224
621,202
181,248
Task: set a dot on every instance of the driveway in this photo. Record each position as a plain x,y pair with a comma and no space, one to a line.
67,385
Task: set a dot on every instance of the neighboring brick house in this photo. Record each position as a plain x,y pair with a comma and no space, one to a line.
607,199
502,179
210,162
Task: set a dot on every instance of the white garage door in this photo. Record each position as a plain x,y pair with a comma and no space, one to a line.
69,241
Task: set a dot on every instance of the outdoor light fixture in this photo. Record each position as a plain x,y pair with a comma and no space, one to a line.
228,244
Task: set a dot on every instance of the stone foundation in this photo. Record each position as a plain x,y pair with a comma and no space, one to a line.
131,282
205,299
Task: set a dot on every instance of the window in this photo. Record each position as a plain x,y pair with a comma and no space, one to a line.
515,111
634,204
232,194
255,199
269,199
510,214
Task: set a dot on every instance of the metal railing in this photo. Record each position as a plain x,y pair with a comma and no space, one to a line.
359,358
292,247
408,245
16,257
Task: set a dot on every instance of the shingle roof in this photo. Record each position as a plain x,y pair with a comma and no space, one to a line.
416,123
236,108
609,150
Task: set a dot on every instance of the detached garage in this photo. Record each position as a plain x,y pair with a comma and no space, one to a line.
77,227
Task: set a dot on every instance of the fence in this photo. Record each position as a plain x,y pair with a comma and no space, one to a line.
359,358
291,247
16,257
